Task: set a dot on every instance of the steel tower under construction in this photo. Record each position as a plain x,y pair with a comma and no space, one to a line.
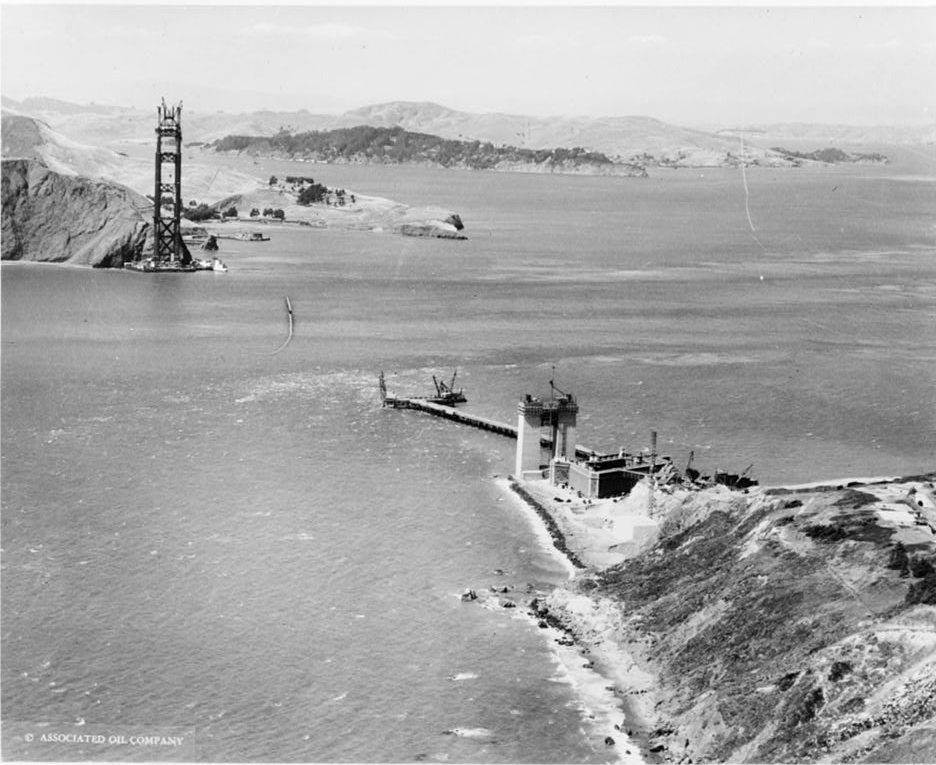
167,199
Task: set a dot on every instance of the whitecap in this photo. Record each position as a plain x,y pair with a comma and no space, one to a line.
468,732
463,676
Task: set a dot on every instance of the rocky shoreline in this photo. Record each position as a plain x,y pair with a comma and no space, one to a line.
768,624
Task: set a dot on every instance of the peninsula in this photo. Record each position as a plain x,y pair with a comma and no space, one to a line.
734,622
394,145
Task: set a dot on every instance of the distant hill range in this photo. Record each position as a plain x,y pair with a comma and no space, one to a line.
836,135
636,140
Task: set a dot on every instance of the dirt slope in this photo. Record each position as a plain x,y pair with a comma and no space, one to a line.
787,625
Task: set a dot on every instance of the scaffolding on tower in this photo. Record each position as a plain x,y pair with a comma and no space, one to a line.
168,247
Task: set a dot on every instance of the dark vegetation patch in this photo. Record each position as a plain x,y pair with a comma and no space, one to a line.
825,534
923,591
860,526
898,560
394,144
781,610
839,670
832,155
922,478
921,567
854,704
855,499
648,577
808,708
795,739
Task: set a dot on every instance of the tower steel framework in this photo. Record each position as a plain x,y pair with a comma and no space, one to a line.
167,242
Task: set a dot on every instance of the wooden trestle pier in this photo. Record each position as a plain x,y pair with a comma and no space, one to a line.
467,418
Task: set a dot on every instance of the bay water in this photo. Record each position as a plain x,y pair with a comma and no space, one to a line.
205,538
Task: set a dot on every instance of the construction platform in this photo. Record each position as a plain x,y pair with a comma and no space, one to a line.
466,418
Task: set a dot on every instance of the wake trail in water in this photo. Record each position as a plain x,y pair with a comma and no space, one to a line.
747,196
289,336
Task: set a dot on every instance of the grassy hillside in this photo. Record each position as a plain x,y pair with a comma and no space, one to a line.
786,625
785,628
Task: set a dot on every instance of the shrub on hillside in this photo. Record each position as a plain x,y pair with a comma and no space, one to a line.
921,567
923,592
898,559
200,212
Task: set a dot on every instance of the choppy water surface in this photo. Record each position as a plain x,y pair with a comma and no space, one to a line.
204,537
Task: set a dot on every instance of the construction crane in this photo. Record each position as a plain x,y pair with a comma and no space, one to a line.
554,389
446,393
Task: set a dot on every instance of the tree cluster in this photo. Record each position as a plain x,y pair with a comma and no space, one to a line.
195,212
312,193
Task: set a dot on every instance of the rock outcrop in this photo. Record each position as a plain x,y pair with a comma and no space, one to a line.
435,223
58,218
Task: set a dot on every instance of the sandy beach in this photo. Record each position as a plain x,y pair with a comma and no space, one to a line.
615,691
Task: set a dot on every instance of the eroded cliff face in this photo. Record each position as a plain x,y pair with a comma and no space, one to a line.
58,218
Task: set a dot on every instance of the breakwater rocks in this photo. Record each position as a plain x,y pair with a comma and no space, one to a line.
559,540
788,625
51,217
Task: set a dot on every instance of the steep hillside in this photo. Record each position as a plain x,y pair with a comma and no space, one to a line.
29,138
51,217
782,625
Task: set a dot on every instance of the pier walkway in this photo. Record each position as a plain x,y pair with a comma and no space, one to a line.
473,420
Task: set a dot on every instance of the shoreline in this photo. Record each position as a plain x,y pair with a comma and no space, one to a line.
597,629
615,691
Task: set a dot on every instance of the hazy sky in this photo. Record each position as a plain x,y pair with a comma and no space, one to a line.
688,66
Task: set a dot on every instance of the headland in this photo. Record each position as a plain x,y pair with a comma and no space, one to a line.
737,622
